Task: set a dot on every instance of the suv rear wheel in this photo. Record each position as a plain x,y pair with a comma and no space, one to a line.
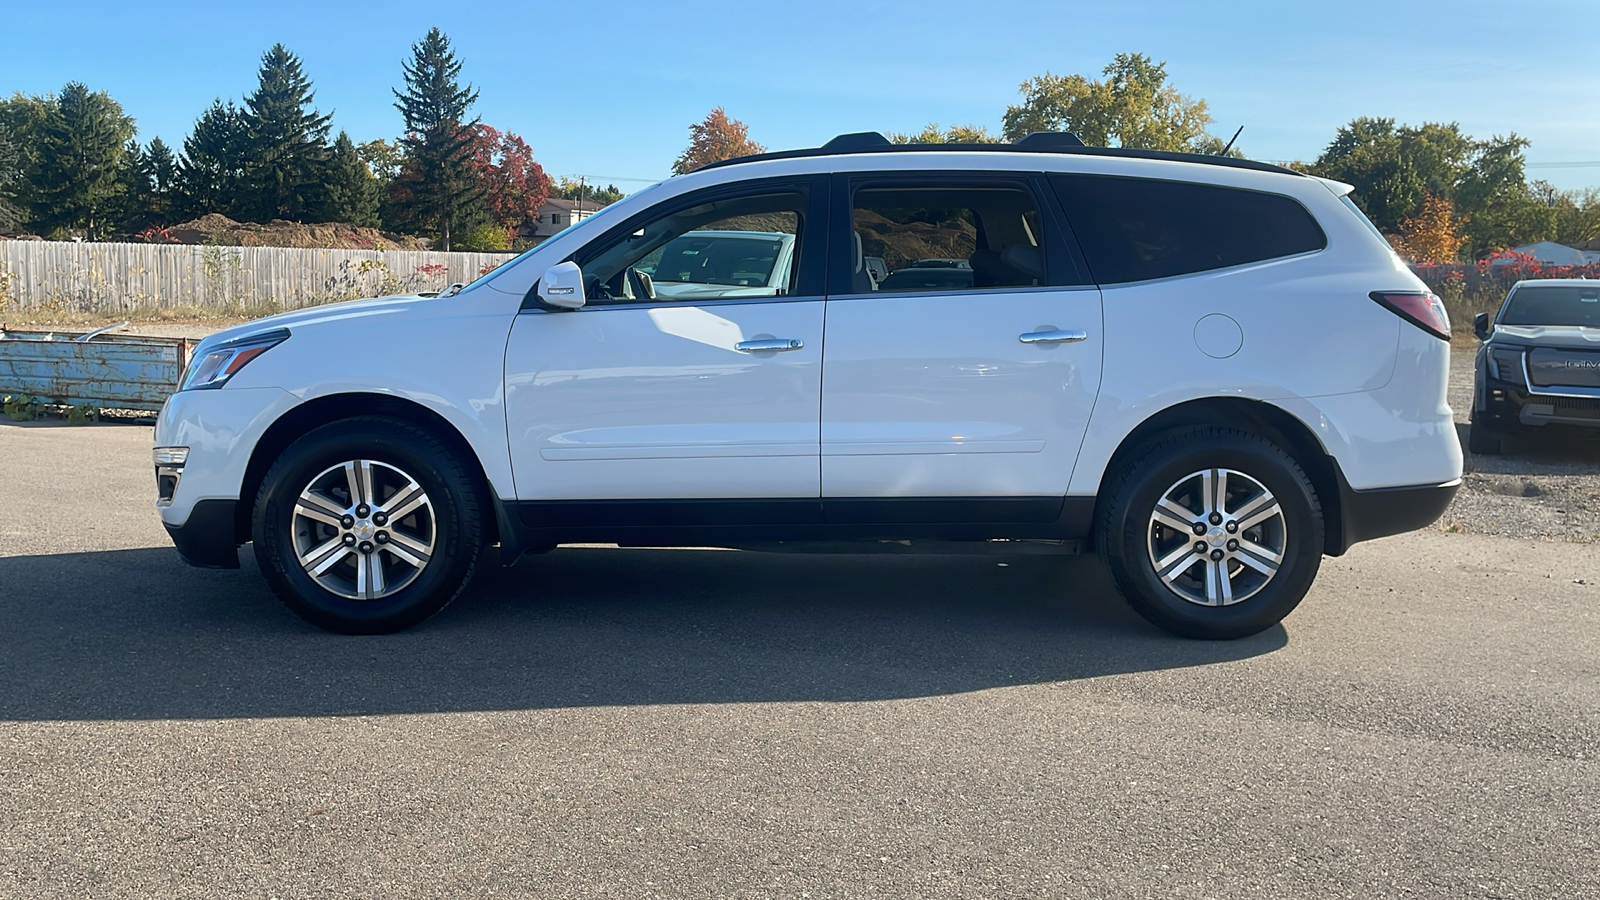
1212,533
367,526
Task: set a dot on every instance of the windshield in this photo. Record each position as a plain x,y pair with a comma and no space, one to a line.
700,259
1553,305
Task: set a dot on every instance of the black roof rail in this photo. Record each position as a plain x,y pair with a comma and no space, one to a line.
1038,142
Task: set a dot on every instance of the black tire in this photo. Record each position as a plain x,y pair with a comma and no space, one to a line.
1126,533
1484,442
455,517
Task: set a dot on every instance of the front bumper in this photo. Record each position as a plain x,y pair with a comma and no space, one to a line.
1507,408
206,538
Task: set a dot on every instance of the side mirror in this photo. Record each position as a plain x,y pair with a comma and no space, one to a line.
1480,326
562,286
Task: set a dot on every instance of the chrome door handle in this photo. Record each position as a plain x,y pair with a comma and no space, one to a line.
773,344
1054,337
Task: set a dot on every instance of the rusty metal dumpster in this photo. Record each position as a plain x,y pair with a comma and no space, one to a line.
112,371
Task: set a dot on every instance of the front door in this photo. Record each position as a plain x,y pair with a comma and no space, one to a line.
694,371
968,370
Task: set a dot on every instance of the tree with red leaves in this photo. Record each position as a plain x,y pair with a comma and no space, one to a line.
514,186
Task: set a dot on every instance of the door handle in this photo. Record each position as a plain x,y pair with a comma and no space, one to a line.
1053,337
771,344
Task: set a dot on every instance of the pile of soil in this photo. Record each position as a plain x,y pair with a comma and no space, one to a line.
219,230
902,243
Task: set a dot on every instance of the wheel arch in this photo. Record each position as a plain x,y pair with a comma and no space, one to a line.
332,408
1259,417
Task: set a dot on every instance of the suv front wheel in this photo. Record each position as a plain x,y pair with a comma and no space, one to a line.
367,526
1212,533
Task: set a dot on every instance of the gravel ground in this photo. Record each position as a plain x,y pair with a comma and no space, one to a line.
1545,490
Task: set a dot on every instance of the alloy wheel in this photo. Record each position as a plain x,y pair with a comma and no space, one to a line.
1217,537
364,529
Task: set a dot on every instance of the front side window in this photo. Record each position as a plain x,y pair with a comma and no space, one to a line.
945,238
732,248
1136,229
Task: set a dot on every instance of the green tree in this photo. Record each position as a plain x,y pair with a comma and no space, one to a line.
575,189
383,159
211,172
437,187
1394,168
286,143
1495,194
10,178
1133,107
24,116
82,155
1574,215
955,134
353,192
133,204
161,172
713,139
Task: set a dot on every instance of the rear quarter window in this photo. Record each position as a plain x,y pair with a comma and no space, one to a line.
1136,229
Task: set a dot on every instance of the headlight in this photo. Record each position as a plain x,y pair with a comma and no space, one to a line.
213,366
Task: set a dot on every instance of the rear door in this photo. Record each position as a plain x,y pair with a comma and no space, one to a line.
967,376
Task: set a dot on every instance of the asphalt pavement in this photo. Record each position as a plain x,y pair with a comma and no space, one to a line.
599,722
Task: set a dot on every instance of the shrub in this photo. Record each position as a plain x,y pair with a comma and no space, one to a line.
486,238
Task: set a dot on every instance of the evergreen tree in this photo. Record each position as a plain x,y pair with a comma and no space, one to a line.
24,116
438,187
352,190
211,172
286,162
161,168
150,178
133,205
10,178
82,155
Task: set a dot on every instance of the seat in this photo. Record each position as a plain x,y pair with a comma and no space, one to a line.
860,279
1015,265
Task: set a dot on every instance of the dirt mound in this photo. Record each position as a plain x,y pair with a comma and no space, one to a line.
219,230
901,243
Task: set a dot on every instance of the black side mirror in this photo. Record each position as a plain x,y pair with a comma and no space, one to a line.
1480,326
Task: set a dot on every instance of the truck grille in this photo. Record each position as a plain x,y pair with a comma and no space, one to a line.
1554,367
1576,407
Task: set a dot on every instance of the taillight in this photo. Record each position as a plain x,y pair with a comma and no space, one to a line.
1421,308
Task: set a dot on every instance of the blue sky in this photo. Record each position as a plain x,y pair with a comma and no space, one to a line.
609,88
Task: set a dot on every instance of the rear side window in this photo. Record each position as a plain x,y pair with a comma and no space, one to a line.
945,237
1136,229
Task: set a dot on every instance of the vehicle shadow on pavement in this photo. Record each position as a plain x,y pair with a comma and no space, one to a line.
134,634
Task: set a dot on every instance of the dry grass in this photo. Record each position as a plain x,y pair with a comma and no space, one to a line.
46,318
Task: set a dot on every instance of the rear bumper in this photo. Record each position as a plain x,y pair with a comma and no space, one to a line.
1371,514
205,539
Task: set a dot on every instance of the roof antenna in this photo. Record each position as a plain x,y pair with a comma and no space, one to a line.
1231,140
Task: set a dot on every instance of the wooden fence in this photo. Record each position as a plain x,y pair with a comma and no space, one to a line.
117,278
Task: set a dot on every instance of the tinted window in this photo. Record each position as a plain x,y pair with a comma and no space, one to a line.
1553,304
1135,229
945,238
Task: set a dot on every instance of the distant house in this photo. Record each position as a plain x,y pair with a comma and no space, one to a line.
1550,253
556,213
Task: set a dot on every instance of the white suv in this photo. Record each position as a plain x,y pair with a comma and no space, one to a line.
1212,371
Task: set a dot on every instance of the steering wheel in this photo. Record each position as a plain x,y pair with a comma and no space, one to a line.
640,285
